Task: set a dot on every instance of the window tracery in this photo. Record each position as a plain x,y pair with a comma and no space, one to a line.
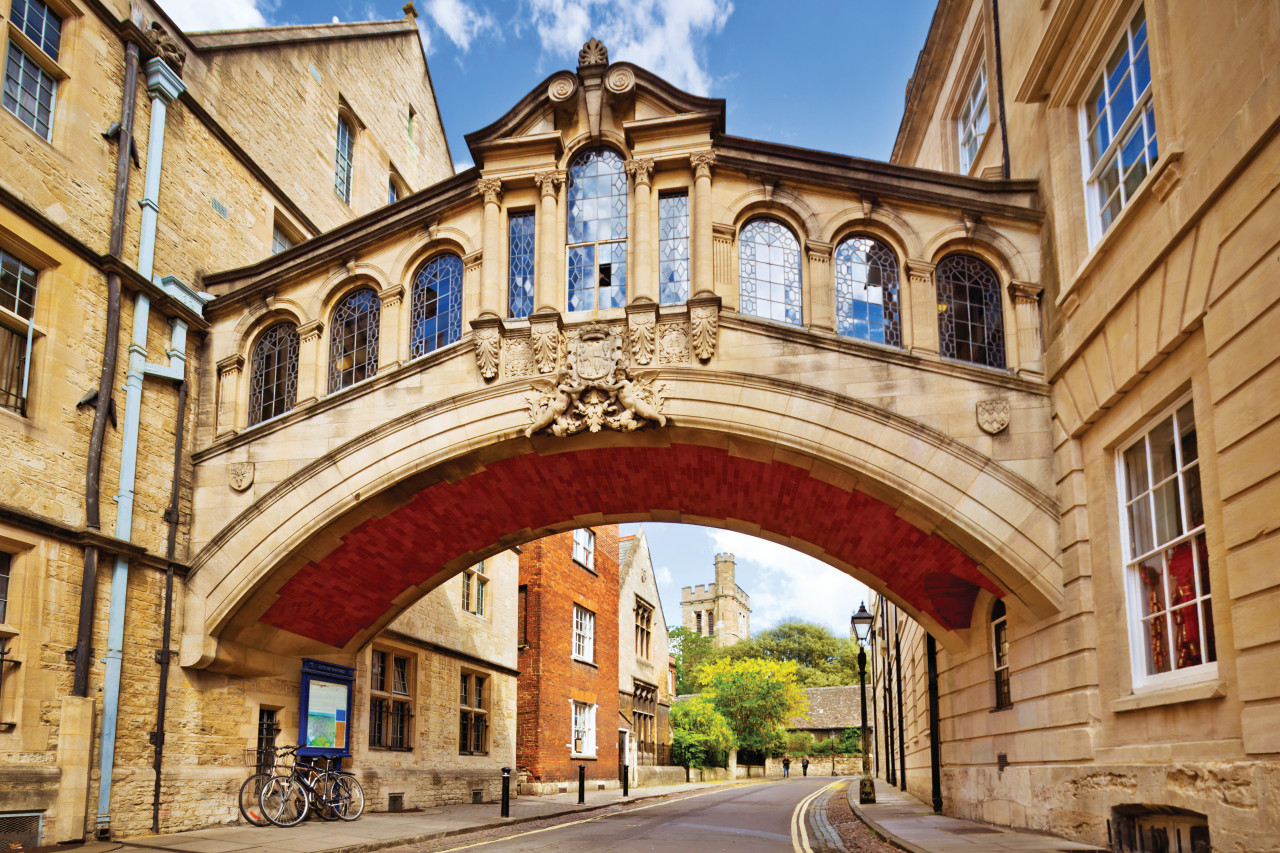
435,305
867,291
970,311
273,377
353,340
597,230
769,271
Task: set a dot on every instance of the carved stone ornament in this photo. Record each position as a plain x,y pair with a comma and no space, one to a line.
491,189
620,80
549,182
594,390
593,53
166,47
519,358
488,345
702,163
546,344
562,87
640,170
705,320
993,415
673,346
641,331
240,475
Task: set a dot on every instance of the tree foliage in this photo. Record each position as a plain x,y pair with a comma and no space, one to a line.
758,697
690,651
700,735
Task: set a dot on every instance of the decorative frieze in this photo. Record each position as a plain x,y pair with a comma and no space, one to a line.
642,332
673,342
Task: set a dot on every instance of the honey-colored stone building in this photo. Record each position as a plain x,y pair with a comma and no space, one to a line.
720,610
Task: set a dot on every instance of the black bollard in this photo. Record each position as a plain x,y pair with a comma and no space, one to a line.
582,784
626,780
506,792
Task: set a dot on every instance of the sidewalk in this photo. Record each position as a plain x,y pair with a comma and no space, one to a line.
905,822
378,830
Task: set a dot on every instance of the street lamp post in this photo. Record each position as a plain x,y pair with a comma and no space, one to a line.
862,628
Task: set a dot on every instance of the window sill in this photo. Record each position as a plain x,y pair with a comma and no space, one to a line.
589,663
583,755
7,631
1199,691
585,566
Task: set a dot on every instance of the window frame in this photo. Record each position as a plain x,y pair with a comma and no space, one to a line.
890,322
583,638
673,251
20,325
372,344
788,288
257,394
387,705
584,549
6,583
1132,562
644,628
344,157
474,586
474,700
970,126
1135,121
45,63
1000,671
522,265
993,332
588,729
445,268
616,243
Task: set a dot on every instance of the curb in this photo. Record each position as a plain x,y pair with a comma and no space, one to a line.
822,828
895,840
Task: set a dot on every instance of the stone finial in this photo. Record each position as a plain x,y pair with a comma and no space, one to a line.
593,53
410,11
166,47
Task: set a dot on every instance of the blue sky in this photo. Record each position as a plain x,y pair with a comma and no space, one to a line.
824,74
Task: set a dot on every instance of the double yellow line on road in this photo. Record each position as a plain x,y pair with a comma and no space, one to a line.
800,835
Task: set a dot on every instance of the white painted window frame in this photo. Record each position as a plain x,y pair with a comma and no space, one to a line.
966,129
584,634
584,713
584,547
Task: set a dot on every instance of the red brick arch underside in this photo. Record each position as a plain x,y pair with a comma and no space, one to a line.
357,584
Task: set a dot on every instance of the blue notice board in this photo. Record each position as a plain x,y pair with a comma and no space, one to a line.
324,718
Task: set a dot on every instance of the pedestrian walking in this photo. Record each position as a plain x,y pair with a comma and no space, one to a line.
804,766
786,766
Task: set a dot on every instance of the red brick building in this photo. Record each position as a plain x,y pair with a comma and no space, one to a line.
567,692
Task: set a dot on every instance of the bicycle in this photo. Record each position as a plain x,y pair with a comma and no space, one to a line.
272,758
333,794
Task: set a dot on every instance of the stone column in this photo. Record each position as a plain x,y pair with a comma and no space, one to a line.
474,269
1026,308
229,370
390,353
548,241
923,299
819,289
703,263
642,284
726,283
313,363
491,301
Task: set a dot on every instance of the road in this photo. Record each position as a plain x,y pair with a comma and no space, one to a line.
759,818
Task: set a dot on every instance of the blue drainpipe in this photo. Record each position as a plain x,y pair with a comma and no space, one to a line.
163,85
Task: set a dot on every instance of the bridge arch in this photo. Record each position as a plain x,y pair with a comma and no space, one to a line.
331,554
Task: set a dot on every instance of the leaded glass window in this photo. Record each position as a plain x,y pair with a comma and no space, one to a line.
769,271
673,248
436,305
353,340
273,373
597,231
970,311
1120,126
521,250
29,91
1165,551
342,170
867,291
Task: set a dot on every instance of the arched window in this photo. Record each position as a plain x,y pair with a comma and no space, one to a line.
867,291
273,373
1000,654
436,305
353,339
597,231
769,271
970,313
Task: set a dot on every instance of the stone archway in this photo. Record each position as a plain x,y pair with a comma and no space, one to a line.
334,552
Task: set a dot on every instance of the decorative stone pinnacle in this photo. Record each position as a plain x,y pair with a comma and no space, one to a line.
593,53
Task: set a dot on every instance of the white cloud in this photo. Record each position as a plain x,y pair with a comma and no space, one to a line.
460,22
787,583
424,33
663,36
196,15
663,574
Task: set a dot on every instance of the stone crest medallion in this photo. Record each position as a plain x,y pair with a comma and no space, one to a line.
993,415
594,390
240,475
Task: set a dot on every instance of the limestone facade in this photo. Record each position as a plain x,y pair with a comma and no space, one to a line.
720,610
644,689
214,205
1159,312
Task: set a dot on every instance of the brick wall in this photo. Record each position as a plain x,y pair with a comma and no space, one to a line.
549,678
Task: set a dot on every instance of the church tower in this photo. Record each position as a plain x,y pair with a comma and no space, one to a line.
720,610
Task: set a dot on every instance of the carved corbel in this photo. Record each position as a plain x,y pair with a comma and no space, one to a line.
704,324
488,338
642,330
546,333
308,332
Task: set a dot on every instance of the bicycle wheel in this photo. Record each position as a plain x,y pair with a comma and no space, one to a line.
250,802
322,795
349,799
284,801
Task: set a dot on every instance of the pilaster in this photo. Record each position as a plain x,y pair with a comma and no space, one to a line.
642,285
703,263
490,290
819,309
924,307
229,371
312,362
389,350
1026,310
545,295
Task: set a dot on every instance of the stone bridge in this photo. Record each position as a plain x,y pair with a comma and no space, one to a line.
623,313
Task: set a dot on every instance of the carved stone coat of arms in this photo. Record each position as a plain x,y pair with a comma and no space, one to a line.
595,390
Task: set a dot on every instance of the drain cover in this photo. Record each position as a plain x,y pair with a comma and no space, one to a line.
972,830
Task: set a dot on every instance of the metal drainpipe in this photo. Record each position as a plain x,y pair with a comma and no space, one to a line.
902,735
164,86
935,720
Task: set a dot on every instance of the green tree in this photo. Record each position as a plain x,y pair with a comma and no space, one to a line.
823,659
758,698
691,651
700,735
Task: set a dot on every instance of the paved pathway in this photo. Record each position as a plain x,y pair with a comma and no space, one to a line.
908,823
381,829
